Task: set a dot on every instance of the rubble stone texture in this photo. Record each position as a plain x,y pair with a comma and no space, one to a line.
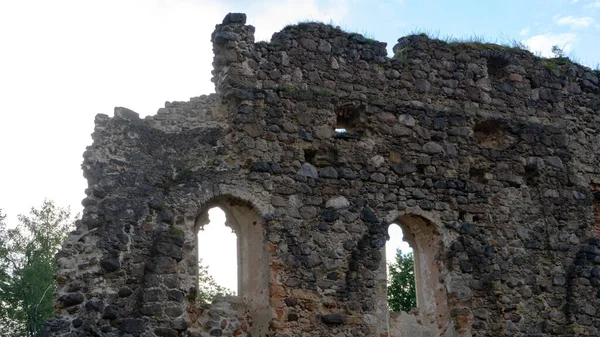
487,156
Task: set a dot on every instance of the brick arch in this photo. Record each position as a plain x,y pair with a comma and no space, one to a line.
222,193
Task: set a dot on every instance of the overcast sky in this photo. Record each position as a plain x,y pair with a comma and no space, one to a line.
64,61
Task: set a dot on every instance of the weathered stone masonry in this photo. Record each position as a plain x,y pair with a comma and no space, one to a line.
487,156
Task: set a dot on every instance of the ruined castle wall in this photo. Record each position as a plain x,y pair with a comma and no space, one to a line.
493,148
178,116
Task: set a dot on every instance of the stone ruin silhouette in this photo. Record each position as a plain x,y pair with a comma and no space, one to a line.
487,157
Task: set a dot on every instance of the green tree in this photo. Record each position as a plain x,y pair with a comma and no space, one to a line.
401,294
7,323
208,288
27,268
558,52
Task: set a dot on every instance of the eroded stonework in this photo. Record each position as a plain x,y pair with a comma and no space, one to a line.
488,155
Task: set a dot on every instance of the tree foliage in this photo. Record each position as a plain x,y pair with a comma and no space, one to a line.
27,268
208,288
401,292
558,52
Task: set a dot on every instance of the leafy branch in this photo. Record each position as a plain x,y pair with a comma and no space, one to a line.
401,283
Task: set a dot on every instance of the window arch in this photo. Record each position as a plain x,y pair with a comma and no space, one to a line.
253,273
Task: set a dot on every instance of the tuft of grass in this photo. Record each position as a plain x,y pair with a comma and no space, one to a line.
475,41
290,88
175,231
475,38
366,37
559,66
478,41
548,64
300,25
430,34
320,92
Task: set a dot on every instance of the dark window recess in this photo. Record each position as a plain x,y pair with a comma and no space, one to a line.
309,155
496,64
347,124
494,134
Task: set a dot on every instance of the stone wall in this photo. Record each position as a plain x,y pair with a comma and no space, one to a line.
494,149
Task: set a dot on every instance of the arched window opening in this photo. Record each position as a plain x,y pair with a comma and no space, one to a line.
217,257
428,313
401,293
230,239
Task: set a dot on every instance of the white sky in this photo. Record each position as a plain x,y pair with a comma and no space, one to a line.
222,259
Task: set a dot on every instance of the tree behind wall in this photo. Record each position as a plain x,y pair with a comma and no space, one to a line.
401,292
209,289
27,268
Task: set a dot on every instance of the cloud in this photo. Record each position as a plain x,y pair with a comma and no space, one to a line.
524,31
542,44
575,22
275,14
595,4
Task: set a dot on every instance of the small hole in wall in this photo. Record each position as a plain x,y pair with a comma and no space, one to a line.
309,155
493,134
347,123
596,208
496,64
490,126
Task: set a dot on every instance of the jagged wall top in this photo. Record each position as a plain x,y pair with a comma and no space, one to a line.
238,57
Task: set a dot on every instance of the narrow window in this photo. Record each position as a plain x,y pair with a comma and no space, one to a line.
231,242
420,308
217,257
401,292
